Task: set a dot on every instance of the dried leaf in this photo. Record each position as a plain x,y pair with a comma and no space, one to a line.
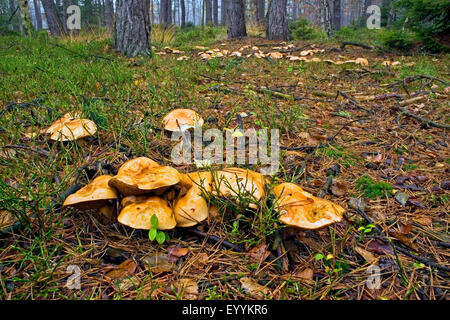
189,288
380,248
259,253
306,274
402,198
125,268
159,263
368,256
175,252
253,288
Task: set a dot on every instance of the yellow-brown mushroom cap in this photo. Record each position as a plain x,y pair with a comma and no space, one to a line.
143,175
232,181
71,129
181,120
192,208
139,210
94,195
301,209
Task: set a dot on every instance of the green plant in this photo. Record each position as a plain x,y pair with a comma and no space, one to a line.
154,233
373,189
402,40
302,29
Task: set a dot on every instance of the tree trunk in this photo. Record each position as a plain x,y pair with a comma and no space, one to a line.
26,18
193,11
208,7
259,4
109,16
336,14
326,17
37,13
277,27
165,16
183,13
132,27
54,23
236,19
223,12
216,12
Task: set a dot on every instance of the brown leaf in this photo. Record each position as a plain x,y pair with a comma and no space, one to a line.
159,263
306,274
259,253
125,268
404,239
338,188
369,257
380,248
253,288
406,228
189,288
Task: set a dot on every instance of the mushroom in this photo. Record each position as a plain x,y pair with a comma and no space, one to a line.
138,211
94,195
234,181
142,175
68,129
301,209
181,120
192,208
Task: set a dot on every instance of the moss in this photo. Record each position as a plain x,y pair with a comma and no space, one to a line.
373,189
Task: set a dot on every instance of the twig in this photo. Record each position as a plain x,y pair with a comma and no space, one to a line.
421,119
215,239
356,44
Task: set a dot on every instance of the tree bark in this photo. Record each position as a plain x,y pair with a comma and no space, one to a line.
223,12
37,13
208,7
336,14
236,19
54,23
165,12
277,27
26,18
259,5
132,28
326,17
216,12
183,13
109,16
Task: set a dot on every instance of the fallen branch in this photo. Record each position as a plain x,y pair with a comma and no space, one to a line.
215,239
421,119
356,44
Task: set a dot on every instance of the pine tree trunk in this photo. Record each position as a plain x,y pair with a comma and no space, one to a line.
37,13
183,13
109,16
132,27
259,4
236,19
336,14
208,7
165,16
277,28
327,17
223,12
26,18
55,25
215,12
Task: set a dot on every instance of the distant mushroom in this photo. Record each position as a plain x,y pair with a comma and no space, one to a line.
192,208
143,175
232,181
69,129
94,195
138,211
301,209
181,120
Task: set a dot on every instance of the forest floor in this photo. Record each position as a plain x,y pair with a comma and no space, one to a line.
390,171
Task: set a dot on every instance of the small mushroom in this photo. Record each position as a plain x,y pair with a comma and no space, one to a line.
232,181
181,120
192,208
94,195
301,209
138,211
67,129
143,175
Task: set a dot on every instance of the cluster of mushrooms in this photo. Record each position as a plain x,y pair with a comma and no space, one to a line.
146,188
